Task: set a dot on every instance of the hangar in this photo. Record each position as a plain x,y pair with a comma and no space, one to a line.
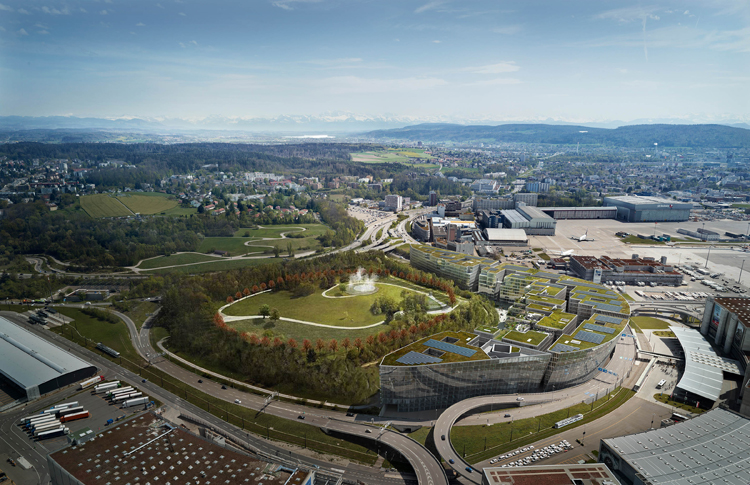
632,208
32,366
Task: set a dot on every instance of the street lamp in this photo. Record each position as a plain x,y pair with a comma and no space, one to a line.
740,277
707,256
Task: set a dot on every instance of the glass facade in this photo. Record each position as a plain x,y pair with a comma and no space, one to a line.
568,369
435,386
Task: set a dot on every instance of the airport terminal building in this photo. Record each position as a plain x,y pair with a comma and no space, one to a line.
632,208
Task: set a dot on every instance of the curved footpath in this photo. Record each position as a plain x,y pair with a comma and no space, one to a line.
619,364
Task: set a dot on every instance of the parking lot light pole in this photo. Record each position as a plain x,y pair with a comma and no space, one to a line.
740,277
707,256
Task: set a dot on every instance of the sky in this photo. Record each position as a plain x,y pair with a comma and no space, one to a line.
428,59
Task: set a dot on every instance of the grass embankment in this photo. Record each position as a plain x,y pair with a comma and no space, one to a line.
299,332
636,240
664,333
470,440
676,404
257,244
140,311
650,323
627,296
275,428
379,234
219,265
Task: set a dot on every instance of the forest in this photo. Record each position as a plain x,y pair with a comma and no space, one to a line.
320,368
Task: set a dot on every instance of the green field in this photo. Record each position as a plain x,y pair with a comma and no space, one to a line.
297,331
113,335
236,245
148,203
393,156
341,312
470,440
651,323
176,259
310,230
140,311
101,205
221,264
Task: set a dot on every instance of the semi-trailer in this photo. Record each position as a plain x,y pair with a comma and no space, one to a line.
120,390
127,396
45,423
54,433
91,382
73,417
65,412
107,386
45,427
135,402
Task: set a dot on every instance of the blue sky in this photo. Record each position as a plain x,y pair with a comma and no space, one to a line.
571,60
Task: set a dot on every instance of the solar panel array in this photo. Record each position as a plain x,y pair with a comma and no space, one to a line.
590,337
598,328
450,348
563,348
608,319
413,358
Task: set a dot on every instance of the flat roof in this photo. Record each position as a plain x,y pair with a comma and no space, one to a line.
700,377
449,347
29,361
532,212
137,452
711,448
597,208
648,200
592,474
506,235
513,215
738,306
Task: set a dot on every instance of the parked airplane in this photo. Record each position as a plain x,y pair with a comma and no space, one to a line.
583,238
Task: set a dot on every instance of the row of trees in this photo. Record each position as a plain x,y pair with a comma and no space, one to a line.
313,367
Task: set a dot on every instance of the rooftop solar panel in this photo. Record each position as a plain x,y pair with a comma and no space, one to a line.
413,358
590,337
450,348
598,328
608,319
563,348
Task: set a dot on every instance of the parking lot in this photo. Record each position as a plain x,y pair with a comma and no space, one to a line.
100,409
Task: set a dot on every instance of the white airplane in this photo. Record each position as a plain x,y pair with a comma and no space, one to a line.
583,238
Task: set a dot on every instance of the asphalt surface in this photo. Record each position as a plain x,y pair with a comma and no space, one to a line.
110,370
619,363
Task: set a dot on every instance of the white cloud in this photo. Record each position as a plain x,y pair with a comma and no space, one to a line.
41,25
2,29
54,11
622,70
43,32
182,14
508,29
682,37
83,10
24,11
5,8
501,81
430,6
288,4
140,24
629,14
160,5
435,41
499,68
194,42
359,85
333,62
103,12
22,32
182,45
687,12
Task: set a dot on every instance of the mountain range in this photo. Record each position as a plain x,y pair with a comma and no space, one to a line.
644,136
334,122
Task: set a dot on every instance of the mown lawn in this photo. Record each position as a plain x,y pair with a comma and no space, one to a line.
113,335
140,311
350,311
219,265
310,230
651,323
299,331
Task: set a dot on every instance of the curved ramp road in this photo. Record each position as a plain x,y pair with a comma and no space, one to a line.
428,469
619,364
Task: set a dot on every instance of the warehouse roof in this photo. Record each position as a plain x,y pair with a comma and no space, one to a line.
638,200
711,448
513,216
28,360
518,235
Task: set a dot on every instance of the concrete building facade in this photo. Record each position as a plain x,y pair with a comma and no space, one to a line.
649,209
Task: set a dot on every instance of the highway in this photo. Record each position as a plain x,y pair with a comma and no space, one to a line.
619,364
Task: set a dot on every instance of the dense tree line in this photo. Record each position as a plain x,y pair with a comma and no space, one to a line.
323,368
75,237
344,228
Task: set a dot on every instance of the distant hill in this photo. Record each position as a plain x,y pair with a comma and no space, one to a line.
697,136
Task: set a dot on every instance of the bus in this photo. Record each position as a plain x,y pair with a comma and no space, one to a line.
677,418
661,384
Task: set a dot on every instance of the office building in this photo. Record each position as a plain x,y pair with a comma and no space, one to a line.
632,208
631,271
394,203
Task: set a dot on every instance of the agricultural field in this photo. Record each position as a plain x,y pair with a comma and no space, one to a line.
148,203
392,156
102,205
